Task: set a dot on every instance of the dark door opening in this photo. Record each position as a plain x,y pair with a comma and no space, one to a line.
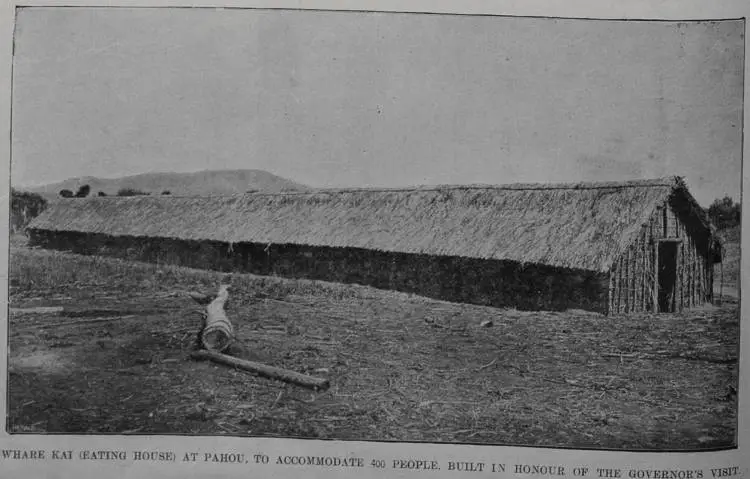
667,276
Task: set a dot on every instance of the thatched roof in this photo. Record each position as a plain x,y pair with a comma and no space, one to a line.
582,226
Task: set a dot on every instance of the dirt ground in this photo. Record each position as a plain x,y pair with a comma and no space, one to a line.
110,354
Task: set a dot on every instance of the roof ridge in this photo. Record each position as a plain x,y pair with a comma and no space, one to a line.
671,181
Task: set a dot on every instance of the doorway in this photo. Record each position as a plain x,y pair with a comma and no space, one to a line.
667,276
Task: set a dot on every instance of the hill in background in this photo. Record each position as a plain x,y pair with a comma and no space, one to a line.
201,183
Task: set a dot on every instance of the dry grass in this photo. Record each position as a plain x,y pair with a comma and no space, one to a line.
401,367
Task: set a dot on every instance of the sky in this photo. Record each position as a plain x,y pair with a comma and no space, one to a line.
340,99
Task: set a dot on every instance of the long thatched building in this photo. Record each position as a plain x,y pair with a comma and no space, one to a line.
607,247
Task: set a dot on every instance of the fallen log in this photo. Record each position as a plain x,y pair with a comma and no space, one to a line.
218,332
263,370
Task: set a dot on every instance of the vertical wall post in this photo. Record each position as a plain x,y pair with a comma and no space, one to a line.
644,272
721,283
656,276
698,281
628,274
610,296
619,284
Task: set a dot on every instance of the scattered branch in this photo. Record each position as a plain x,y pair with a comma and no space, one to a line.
264,370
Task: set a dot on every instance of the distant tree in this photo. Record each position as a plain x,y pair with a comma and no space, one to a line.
101,193
83,191
66,193
725,213
166,192
24,207
130,192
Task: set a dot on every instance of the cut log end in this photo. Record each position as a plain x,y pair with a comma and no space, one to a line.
216,340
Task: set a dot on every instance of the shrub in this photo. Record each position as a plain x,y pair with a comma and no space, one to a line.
130,192
83,191
725,213
25,206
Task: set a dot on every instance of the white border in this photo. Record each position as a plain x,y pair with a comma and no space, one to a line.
603,9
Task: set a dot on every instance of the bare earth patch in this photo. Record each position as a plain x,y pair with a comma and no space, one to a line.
44,361
402,368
